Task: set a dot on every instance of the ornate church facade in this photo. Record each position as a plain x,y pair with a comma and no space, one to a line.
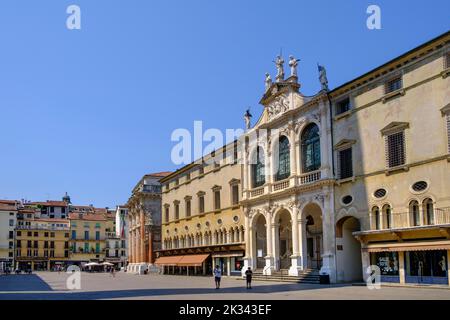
353,178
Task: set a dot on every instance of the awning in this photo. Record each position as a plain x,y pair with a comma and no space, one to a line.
194,260
402,247
168,261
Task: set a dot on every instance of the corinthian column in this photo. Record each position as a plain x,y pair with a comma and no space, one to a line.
295,268
142,238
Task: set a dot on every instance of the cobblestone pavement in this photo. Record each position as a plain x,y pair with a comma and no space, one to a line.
49,286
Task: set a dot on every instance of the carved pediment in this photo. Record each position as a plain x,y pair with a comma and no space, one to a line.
277,107
394,126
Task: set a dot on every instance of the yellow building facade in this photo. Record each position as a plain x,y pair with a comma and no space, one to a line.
202,221
41,244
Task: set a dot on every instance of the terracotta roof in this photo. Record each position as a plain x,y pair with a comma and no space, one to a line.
87,216
160,174
9,201
7,207
50,203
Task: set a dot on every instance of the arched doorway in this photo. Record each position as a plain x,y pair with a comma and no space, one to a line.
260,241
348,253
314,236
284,252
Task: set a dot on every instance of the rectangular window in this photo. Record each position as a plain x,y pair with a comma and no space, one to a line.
52,244
97,248
201,204
86,247
448,131
167,213
216,200
177,211
52,253
45,234
29,244
188,208
36,244
19,234
52,209
36,234
35,253
11,244
395,144
393,85
235,194
63,210
86,235
45,244
343,106
52,234
345,164
11,222
97,235
66,245
123,243
29,234
74,234
66,253
19,244
11,234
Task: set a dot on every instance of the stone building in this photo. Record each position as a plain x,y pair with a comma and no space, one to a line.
391,145
203,224
144,221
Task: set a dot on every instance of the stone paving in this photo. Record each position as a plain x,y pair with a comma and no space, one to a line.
52,286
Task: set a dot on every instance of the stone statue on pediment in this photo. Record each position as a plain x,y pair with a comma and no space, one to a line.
268,81
293,63
279,62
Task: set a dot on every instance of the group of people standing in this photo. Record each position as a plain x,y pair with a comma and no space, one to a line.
218,276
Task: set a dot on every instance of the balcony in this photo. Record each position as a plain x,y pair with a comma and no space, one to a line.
406,220
281,185
151,188
310,177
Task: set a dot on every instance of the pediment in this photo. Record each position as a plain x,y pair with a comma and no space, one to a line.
394,126
344,143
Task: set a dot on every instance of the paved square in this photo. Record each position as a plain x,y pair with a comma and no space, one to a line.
49,286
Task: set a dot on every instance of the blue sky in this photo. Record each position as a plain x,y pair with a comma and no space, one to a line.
90,111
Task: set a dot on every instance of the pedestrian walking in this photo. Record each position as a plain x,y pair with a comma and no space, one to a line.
248,277
217,276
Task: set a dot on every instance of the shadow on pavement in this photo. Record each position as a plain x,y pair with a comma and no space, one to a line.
23,282
136,293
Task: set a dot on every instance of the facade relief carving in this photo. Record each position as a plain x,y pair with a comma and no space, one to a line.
279,106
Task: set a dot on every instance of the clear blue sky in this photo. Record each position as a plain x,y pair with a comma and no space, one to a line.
91,111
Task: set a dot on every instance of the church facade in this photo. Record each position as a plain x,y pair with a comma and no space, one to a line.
353,178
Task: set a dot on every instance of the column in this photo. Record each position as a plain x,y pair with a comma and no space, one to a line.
248,257
276,245
142,238
401,267
365,261
303,248
150,248
328,256
324,142
130,247
228,266
293,153
268,269
296,264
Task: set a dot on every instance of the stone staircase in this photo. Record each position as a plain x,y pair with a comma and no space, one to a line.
309,276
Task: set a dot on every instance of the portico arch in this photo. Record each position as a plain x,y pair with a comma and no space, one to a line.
348,250
313,237
260,240
283,246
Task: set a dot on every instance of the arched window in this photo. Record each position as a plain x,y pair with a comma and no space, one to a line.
311,148
258,174
428,207
414,212
376,217
284,167
387,216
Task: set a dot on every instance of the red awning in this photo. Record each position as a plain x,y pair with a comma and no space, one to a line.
194,260
168,261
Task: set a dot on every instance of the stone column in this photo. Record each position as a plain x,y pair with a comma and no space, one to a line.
303,244
401,267
268,269
325,146
248,236
150,247
293,152
328,257
276,245
365,260
130,247
296,264
138,245
142,237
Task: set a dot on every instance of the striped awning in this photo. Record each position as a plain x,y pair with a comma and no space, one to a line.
403,247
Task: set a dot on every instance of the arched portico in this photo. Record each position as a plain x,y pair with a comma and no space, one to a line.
348,253
312,240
